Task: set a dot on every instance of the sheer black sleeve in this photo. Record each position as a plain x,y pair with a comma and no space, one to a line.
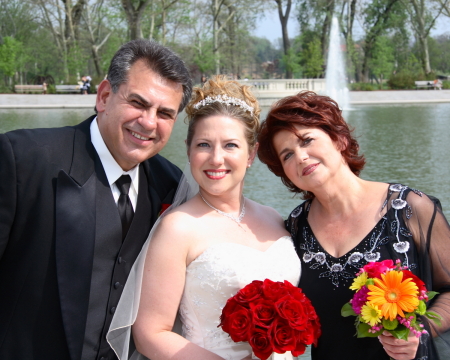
431,234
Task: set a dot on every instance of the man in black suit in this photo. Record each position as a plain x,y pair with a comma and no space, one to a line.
71,225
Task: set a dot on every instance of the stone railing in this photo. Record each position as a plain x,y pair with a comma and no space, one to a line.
278,88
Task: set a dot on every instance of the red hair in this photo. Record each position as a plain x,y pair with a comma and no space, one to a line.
310,110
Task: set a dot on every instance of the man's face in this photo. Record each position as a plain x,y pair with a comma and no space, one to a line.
136,122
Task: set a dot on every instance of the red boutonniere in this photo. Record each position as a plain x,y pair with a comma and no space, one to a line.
164,207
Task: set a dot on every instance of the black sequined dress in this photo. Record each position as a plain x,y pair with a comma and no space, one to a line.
413,230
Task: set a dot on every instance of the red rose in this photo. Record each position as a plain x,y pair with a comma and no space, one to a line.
293,311
420,284
375,269
299,349
315,326
296,292
282,336
263,312
274,290
306,337
236,320
306,303
291,287
260,343
249,293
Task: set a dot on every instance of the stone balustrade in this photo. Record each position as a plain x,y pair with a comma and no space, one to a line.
270,90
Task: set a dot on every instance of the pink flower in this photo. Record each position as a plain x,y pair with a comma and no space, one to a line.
359,299
375,269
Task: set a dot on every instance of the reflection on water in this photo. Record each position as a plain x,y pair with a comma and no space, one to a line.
40,118
402,143
406,144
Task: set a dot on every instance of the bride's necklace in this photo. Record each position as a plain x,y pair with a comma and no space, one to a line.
231,216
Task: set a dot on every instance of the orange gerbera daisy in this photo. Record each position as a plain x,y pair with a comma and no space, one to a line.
392,295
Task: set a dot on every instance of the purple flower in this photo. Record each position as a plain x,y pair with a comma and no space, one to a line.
359,299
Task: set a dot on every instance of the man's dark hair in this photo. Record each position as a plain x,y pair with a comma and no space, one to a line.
158,58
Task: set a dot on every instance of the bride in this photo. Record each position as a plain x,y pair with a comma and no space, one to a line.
205,250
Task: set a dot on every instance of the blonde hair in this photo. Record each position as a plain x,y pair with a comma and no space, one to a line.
219,85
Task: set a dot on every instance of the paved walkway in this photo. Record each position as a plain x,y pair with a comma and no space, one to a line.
14,101
399,97
50,101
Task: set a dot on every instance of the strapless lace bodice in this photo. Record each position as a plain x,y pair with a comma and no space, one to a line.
219,273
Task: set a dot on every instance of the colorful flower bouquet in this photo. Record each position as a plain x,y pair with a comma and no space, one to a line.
272,317
388,297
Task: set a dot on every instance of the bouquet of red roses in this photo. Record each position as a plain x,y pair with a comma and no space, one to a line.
388,297
272,317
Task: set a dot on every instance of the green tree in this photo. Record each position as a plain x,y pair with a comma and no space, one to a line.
289,57
315,16
62,18
291,63
440,53
423,16
134,10
312,59
380,16
11,52
383,61
204,57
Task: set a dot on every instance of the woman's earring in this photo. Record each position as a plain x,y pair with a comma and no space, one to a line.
249,165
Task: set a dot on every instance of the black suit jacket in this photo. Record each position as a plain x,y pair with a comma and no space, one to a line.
50,181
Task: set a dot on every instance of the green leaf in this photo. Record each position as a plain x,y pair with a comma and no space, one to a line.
347,310
390,324
401,332
434,316
363,331
431,294
422,308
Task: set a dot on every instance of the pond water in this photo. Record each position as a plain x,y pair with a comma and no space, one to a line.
407,144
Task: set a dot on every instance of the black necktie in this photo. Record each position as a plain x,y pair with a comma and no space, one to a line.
124,204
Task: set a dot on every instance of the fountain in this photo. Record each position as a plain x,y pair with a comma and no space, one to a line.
335,79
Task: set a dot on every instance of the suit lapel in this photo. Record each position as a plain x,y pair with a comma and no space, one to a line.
75,236
155,190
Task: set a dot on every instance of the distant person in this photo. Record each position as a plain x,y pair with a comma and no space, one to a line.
44,88
77,203
86,85
347,222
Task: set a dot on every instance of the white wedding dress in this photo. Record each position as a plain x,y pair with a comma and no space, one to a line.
211,279
218,274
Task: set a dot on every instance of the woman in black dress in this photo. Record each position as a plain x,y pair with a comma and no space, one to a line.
347,222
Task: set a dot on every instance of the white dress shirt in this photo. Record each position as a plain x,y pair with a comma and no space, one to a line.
112,168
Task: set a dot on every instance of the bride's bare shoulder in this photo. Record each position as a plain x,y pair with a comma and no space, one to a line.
264,212
182,219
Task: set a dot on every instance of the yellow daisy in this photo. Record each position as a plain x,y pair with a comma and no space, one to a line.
394,296
359,282
371,314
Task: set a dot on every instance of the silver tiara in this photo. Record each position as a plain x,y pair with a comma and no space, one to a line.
224,99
